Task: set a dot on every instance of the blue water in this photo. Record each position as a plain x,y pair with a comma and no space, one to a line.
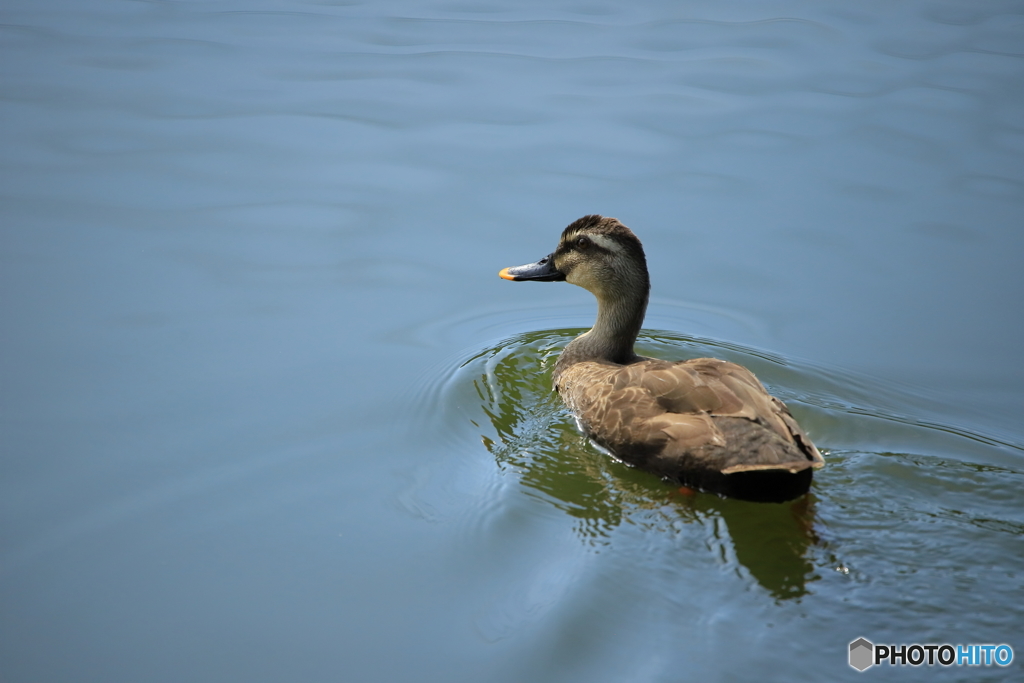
268,414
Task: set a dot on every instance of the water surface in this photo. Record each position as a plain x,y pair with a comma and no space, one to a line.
268,413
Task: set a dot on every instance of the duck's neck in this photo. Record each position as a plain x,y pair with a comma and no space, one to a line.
619,319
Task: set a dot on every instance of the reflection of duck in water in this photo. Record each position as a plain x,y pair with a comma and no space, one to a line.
772,542
705,423
774,545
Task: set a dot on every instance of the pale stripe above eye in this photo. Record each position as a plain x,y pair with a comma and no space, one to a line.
606,242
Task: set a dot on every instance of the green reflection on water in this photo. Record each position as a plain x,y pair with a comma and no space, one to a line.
535,436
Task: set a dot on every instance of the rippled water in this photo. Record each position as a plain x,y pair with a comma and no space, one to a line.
840,544
267,413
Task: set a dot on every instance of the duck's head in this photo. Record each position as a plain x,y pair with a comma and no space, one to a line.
599,254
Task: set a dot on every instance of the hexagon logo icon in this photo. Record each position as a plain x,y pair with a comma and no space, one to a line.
862,654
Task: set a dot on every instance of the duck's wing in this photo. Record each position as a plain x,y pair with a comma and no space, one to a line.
674,410
728,390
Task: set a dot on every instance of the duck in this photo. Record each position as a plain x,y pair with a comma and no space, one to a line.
705,424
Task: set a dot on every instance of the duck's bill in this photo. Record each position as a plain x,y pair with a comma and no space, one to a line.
541,271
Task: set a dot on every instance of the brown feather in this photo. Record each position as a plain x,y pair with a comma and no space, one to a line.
690,421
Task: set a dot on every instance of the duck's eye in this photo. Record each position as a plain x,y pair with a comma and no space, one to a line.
582,242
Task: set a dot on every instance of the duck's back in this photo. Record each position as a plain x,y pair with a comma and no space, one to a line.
705,422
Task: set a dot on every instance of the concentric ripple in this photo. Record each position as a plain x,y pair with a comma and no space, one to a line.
881,443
